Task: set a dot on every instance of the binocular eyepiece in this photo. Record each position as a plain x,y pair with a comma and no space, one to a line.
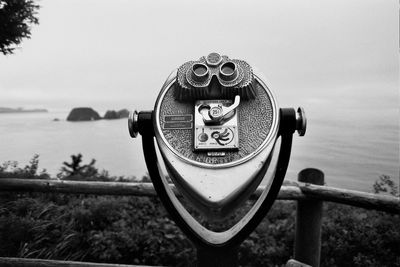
214,77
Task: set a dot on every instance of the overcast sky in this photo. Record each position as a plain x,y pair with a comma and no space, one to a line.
115,54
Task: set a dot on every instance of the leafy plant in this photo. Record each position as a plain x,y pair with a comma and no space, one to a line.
76,171
137,230
16,18
386,185
11,169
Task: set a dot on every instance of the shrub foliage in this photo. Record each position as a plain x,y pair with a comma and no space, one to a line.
137,230
16,18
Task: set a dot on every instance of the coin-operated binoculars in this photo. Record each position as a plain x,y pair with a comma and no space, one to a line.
216,124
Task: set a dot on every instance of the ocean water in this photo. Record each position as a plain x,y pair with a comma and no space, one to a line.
352,143
338,59
107,141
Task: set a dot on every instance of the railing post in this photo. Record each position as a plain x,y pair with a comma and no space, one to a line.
307,248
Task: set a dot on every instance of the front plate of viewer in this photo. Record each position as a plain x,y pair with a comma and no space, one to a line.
216,162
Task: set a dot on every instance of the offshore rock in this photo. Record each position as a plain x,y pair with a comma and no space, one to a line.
123,113
112,114
83,114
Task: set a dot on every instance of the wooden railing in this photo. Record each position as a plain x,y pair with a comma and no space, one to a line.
309,211
300,191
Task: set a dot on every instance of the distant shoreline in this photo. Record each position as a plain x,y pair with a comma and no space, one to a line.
21,110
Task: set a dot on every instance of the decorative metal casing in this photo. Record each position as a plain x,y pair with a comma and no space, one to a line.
219,176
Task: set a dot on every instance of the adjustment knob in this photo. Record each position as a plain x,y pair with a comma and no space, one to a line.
133,123
301,121
217,114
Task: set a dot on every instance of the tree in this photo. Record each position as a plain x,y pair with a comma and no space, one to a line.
16,18
76,171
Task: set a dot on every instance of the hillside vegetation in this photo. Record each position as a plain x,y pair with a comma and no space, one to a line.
137,230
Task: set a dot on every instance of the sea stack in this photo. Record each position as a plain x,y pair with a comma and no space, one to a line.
83,114
112,114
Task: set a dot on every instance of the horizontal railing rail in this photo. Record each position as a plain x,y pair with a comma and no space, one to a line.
297,191
26,262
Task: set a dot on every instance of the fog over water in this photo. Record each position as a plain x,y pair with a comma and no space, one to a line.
336,58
